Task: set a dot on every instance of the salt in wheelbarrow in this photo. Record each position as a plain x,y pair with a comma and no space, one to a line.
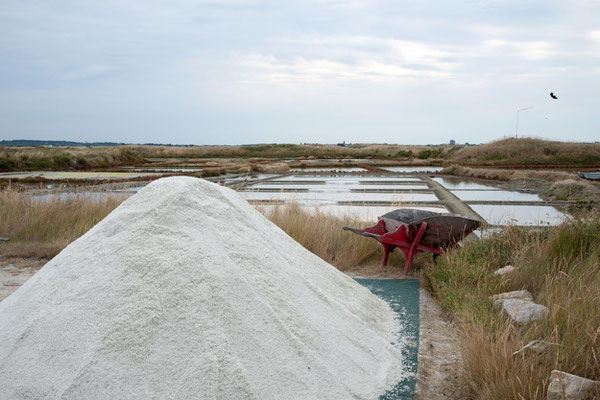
416,231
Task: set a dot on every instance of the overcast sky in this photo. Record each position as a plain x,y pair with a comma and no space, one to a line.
230,72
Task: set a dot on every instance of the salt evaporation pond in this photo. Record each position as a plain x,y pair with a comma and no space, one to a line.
331,160
163,169
332,178
334,186
495,195
413,169
242,178
325,169
519,214
54,175
461,183
363,213
328,196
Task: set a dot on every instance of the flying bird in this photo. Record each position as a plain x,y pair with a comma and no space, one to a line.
553,96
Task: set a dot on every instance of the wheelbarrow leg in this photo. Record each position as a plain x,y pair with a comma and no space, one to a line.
387,249
413,245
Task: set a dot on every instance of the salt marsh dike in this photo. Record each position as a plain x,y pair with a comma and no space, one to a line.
185,291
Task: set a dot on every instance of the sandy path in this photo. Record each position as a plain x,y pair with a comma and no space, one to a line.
440,358
14,274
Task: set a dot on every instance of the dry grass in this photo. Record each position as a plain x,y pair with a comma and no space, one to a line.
60,158
322,234
43,228
561,267
508,174
530,151
518,152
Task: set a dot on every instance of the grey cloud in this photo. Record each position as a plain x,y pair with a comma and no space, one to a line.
257,71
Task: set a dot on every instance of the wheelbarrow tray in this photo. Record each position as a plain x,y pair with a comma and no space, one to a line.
416,231
443,230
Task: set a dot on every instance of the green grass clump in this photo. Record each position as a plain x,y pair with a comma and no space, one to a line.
561,267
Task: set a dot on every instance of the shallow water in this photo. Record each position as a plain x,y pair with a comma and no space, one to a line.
413,169
362,178
76,175
363,213
242,178
164,169
495,195
333,186
328,197
325,169
331,160
519,215
462,183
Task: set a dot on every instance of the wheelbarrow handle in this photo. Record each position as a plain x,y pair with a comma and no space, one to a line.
361,232
349,228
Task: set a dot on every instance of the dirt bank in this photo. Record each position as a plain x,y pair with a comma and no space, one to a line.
440,357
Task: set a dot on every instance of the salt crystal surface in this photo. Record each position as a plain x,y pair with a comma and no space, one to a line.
185,291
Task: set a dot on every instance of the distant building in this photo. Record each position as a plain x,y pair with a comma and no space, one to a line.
452,142
343,144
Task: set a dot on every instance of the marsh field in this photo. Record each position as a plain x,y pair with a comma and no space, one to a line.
536,214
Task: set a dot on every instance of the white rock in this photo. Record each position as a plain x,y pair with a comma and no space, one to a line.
564,386
504,270
536,347
517,294
522,311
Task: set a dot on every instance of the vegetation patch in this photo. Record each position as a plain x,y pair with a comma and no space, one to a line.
530,151
561,267
80,157
42,228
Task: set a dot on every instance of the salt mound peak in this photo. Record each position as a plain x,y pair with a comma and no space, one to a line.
185,291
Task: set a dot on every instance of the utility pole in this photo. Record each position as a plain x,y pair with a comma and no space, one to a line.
518,111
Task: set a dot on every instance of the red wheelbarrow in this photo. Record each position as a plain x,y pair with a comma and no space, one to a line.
416,231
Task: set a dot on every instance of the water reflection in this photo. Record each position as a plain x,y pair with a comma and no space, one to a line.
461,183
325,169
519,215
363,213
329,196
495,195
413,169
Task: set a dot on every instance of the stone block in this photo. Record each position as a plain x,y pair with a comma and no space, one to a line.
522,311
517,294
565,386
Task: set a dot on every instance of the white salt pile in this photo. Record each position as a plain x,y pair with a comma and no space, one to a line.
186,292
